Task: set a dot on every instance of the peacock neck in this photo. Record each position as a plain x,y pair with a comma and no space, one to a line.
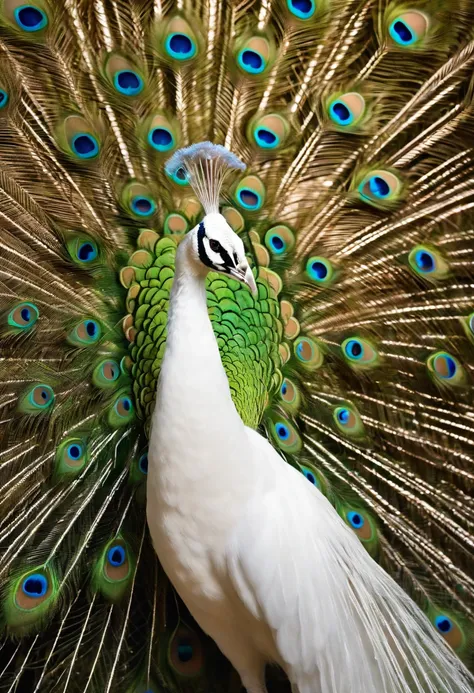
193,390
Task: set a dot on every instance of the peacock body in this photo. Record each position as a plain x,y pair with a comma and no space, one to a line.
355,358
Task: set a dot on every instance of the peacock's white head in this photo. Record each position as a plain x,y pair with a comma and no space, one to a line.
214,245
218,248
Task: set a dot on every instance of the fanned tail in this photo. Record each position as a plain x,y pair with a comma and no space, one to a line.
354,119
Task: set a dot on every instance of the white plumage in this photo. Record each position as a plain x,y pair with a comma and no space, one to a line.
260,557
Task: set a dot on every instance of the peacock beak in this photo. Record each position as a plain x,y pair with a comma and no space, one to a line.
249,279
244,274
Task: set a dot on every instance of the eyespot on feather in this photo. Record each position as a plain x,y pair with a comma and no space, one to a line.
426,261
123,76
302,9
284,433
468,326
161,134
346,110
106,374
408,29
310,474
31,18
380,188
348,421
269,131
359,353
308,353
185,652
83,250
279,240
122,411
290,396
250,193
29,600
138,201
4,98
255,55
180,42
77,139
23,317
86,333
70,459
37,399
447,626
445,369
320,271
114,569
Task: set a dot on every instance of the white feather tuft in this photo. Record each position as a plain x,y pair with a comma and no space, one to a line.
205,165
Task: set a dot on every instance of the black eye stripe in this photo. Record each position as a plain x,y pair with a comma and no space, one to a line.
224,255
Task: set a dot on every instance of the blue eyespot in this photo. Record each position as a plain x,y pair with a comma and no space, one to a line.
41,396
303,9
443,624
355,519
266,139
180,47
30,18
278,244
249,199
143,463
319,271
87,251
116,556
340,113
3,98
282,431
23,316
343,415
283,389
85,146
185,651
425,261
354,349
180,177
75,451
402,33
128,83
161,139
309,474
143,206
251,61
35,586
379,187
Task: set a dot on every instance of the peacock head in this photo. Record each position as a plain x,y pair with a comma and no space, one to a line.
217,248
212,245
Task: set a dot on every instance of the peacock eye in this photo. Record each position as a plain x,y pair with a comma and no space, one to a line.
214,245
